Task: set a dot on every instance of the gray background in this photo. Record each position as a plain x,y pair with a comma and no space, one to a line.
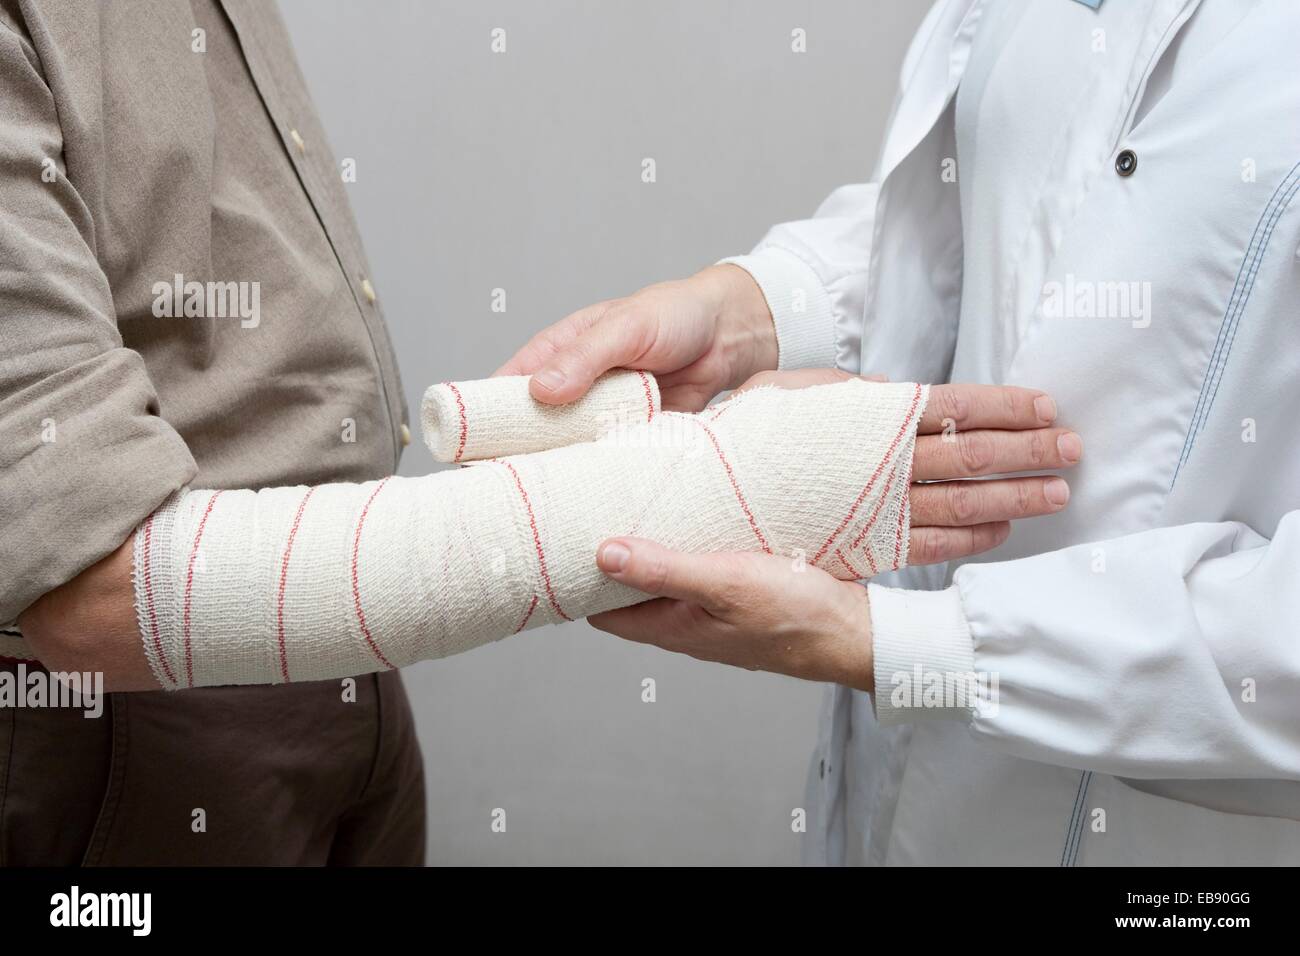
522,171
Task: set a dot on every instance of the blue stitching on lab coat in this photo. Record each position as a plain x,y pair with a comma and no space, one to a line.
1241,290
1074,813
1258,258
1234,303
1281,208
1074,830
1083,819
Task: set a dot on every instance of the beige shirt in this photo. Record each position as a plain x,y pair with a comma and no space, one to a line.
146,145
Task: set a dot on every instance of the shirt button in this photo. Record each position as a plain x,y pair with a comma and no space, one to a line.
406,435
1126,162
368,291
297,140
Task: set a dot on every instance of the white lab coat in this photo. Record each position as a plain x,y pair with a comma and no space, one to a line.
1146,640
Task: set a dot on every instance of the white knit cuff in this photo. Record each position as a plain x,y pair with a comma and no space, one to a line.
924,656
801,307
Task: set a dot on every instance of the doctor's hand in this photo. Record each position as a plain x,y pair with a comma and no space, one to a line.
756,611
700,336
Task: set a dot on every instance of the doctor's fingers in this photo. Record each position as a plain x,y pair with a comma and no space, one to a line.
543,346
955,408
960,504
983,451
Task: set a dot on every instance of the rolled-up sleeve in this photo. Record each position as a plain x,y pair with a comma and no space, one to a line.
84,455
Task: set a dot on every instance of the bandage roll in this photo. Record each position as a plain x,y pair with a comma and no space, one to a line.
293,584
493,417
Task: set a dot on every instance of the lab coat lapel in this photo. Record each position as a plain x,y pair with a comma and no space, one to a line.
930,77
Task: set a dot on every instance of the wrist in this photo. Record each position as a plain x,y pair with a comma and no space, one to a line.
860,664
802,312
89,624
742,321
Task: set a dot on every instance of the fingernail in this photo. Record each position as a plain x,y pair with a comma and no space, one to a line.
1070,447
614,556
550,379
1046,408
1056,491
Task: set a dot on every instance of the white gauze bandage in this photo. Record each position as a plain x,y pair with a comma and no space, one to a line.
492,417
293,584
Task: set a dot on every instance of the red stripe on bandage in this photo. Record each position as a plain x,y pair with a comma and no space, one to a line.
149,603
464,420
537,543
866,529
845,561
916,400
284,577
527,616
649,397
722,408
356,588
884,496
735,486
898,535
189,588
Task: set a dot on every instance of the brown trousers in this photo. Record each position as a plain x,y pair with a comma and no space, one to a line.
286,775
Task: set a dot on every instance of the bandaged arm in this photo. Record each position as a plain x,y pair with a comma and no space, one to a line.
293,584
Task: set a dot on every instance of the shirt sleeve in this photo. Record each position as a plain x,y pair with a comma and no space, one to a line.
1168,654
84,454
813,274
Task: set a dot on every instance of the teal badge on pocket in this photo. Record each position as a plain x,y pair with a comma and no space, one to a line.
1090,3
